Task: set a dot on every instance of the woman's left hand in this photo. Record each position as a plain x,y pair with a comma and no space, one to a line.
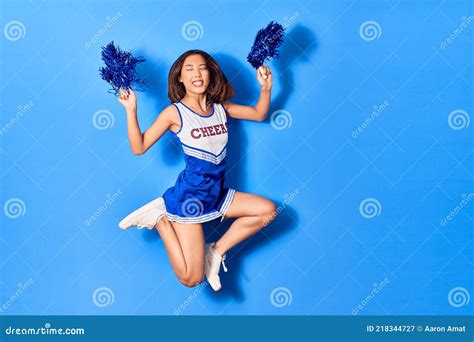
264,77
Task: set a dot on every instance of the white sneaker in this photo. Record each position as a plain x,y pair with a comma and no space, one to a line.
212,267
146,216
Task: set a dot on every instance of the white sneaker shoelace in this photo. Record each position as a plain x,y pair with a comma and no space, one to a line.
223,263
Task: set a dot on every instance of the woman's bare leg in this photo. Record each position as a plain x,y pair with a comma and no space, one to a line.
254,212
184,245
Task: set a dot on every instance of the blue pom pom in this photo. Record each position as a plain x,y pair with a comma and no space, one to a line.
119,70
266,44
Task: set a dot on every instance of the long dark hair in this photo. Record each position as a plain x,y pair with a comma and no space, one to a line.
219,89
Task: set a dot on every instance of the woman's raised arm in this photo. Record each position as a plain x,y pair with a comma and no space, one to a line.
260,110
139,142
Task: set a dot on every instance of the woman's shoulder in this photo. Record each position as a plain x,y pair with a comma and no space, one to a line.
223,104
171,107
170,111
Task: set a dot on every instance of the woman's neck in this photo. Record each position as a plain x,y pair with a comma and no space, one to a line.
197,101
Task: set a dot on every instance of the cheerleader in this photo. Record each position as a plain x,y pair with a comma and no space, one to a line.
199,93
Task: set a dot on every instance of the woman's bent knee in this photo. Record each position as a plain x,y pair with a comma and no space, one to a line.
191,278
191,281
269,213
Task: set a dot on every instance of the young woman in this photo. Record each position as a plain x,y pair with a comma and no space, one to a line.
197,116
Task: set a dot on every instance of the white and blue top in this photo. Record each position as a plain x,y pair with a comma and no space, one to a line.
199,194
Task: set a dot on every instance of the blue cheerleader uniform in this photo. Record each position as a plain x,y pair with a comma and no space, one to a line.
199,194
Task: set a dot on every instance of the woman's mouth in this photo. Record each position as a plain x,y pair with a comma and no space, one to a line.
197,83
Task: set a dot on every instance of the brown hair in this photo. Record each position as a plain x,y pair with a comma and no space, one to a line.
219,89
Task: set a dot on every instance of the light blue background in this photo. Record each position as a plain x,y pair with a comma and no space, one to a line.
320,248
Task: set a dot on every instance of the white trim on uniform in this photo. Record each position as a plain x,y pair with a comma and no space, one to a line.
197,219
204,156
228,200
207,217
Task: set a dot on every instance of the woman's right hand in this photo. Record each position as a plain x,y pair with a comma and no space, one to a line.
129,101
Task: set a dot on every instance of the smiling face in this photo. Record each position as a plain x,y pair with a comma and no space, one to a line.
195,74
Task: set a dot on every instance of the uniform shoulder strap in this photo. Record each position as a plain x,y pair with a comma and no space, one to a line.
183,115
222,110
